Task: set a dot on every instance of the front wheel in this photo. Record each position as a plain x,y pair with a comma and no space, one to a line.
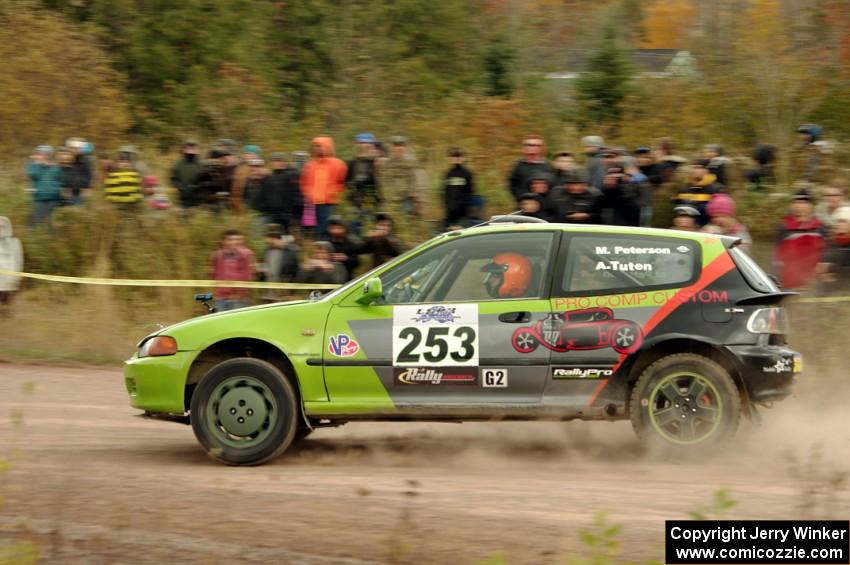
244,412
683,401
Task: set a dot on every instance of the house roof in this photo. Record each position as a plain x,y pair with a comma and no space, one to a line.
649,61
653,60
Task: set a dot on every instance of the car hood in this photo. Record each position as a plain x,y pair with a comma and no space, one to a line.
208,318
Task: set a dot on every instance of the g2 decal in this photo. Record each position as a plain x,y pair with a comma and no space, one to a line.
341,345
435,335
592,328
494,378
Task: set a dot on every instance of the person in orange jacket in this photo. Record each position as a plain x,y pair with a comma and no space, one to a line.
323,181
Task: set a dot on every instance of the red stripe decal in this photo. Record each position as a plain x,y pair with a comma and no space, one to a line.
596,392
713,271
716,269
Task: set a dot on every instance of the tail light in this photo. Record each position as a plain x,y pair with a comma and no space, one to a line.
768,321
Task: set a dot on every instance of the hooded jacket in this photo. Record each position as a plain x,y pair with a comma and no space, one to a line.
77,175
279,193
361,180
522,172
799,249
46,180
548,210
457,191
184,177
587,202
11,256
323,178
698,195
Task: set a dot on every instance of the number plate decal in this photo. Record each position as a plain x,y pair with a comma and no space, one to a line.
494,378
435,335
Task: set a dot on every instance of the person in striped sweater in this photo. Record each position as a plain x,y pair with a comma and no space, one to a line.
123,183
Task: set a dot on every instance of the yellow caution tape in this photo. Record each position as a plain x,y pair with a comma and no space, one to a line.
267,285
823,299
175,283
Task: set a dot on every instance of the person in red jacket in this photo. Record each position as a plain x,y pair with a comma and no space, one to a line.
323,181
232,262
800,243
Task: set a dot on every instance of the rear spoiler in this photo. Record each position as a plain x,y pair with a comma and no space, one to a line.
769,298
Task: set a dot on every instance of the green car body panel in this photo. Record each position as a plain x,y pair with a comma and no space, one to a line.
347,357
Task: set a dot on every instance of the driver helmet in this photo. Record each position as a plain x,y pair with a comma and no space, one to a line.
508,275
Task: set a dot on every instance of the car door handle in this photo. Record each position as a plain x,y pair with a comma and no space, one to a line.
515,317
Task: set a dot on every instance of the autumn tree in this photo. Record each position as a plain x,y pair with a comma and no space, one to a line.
56,83
667,23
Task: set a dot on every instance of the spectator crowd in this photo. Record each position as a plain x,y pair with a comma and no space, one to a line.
297,199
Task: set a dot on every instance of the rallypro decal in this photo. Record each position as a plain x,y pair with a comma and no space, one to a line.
635,299
580,372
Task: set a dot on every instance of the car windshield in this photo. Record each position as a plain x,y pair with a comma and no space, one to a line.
369,274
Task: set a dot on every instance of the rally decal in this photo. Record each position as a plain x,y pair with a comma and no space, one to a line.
435,335
494,378
783,365
581,372
342,345
592,328
438,376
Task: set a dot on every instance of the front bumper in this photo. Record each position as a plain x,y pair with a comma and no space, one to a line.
769,372
156,384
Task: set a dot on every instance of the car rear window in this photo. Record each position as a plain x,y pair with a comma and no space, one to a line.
753,274
608,264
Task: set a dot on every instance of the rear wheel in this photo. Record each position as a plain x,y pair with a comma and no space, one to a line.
685,401
244,412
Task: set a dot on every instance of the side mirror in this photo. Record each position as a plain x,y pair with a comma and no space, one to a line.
372,290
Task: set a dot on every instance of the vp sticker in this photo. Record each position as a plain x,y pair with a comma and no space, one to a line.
341,345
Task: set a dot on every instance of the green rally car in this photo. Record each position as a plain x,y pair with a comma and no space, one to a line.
680,332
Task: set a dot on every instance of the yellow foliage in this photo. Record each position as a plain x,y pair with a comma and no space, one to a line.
667,23
56,83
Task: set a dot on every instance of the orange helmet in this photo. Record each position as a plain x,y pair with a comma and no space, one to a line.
509,275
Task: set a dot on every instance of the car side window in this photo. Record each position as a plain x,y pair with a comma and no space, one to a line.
460,270
601,263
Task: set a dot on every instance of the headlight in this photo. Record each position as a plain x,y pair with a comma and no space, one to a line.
158,346
768,321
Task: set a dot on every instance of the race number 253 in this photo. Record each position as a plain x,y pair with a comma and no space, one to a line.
434,345
439,335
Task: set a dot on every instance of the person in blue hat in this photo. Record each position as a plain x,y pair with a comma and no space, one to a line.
361,182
